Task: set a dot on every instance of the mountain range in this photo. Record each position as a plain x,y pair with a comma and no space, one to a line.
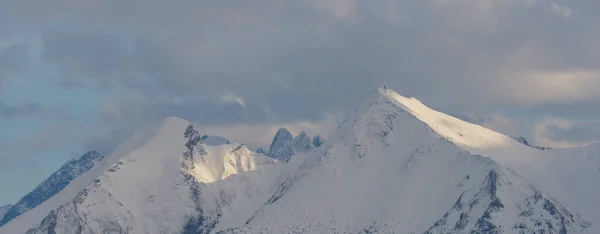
394,166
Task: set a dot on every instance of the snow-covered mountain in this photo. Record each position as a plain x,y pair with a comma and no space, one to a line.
149,185
52,185
284,144
394,166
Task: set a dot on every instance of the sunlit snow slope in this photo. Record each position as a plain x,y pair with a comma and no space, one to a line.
397,166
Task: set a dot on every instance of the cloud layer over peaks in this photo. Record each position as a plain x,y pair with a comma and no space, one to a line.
102,69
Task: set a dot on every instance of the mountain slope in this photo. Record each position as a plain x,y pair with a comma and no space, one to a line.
52,185
397,166
147,188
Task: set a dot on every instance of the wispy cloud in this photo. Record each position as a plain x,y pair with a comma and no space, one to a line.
561,132
230,97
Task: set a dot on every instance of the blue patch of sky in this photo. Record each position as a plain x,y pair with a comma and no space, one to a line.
73,107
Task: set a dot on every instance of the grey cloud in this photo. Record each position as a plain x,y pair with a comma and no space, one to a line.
560,132
8,160
12,57
579,133
83,53
75,84
203,111
589,108
12,155
124,115
10,111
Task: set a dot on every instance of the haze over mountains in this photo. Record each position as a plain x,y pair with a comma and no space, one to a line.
394,166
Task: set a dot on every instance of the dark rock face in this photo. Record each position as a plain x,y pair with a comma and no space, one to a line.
203,223
261,151
285,145
48,224
281,147
3,210
318,141
524,141
53,184
538,214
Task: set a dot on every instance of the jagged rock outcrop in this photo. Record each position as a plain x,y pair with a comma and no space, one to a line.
524,141
285,144
506,203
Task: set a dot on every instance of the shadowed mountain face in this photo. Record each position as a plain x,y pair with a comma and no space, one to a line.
52,185
3,210
285,145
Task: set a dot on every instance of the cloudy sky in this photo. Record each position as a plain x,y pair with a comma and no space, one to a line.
83,75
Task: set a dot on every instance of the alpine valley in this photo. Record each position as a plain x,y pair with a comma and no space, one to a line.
394,166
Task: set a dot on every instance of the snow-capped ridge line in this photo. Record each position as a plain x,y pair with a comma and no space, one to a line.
458,131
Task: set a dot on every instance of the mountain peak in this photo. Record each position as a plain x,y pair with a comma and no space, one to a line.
382,89
146,190
92,155
457,131
282,134
284,144
318,141
420,171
